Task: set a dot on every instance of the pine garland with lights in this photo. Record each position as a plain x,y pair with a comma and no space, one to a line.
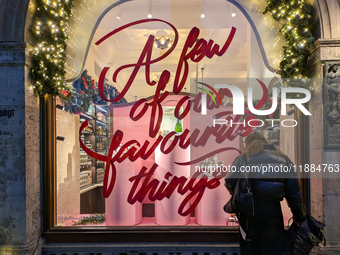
297,19
49,32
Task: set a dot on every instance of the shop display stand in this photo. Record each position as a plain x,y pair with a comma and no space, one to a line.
102,140
92,170
87,163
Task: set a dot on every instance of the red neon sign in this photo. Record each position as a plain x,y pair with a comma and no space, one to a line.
194,49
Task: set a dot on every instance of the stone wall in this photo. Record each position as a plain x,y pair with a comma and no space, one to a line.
324,192
68,165
20,209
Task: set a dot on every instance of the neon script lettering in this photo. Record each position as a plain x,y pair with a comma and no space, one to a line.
195,49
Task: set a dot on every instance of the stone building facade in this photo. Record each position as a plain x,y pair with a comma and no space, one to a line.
21,206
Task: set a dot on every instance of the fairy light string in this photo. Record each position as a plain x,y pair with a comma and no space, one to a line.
50,26
296,18
49,31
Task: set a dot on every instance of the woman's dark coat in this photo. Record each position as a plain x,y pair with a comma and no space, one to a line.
268,188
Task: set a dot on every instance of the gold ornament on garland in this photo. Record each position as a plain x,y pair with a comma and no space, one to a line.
49,32
297,18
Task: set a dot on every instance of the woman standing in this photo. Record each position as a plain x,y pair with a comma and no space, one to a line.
266,227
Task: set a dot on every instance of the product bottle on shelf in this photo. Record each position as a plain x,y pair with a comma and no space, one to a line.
178,127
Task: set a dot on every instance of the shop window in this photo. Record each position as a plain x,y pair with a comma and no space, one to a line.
91,128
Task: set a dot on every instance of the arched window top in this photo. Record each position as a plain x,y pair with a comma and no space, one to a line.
91,16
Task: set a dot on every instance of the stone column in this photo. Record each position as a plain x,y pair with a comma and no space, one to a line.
325,192
20,193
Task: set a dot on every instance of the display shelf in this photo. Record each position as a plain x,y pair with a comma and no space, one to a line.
90,187
101,108
101,152
84,167
86,132
86,116
95,137
101,140
101,123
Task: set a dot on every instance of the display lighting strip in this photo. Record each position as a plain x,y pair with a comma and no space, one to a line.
49,30
85,115
101,109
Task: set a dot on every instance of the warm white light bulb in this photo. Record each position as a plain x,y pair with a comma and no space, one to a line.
202,16
149,16
233,14
119,14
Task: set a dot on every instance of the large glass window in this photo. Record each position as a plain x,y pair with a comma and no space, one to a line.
122,135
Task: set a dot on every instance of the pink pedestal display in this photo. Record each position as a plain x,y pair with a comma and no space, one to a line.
210,209
118,211
166,211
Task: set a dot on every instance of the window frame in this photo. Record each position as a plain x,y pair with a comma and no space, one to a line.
130,234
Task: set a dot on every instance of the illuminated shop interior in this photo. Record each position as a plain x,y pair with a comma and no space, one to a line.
80,176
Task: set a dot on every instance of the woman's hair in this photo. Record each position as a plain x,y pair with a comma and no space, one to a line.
254,144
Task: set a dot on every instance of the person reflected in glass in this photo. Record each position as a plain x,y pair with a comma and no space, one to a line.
265,229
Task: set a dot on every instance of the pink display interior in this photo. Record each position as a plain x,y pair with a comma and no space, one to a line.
208,212
147,221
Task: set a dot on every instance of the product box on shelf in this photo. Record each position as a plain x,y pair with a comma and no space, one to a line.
85,178
91,110
100,175
101,117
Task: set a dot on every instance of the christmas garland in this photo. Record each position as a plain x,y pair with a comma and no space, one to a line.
49,33
50,26
297,19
